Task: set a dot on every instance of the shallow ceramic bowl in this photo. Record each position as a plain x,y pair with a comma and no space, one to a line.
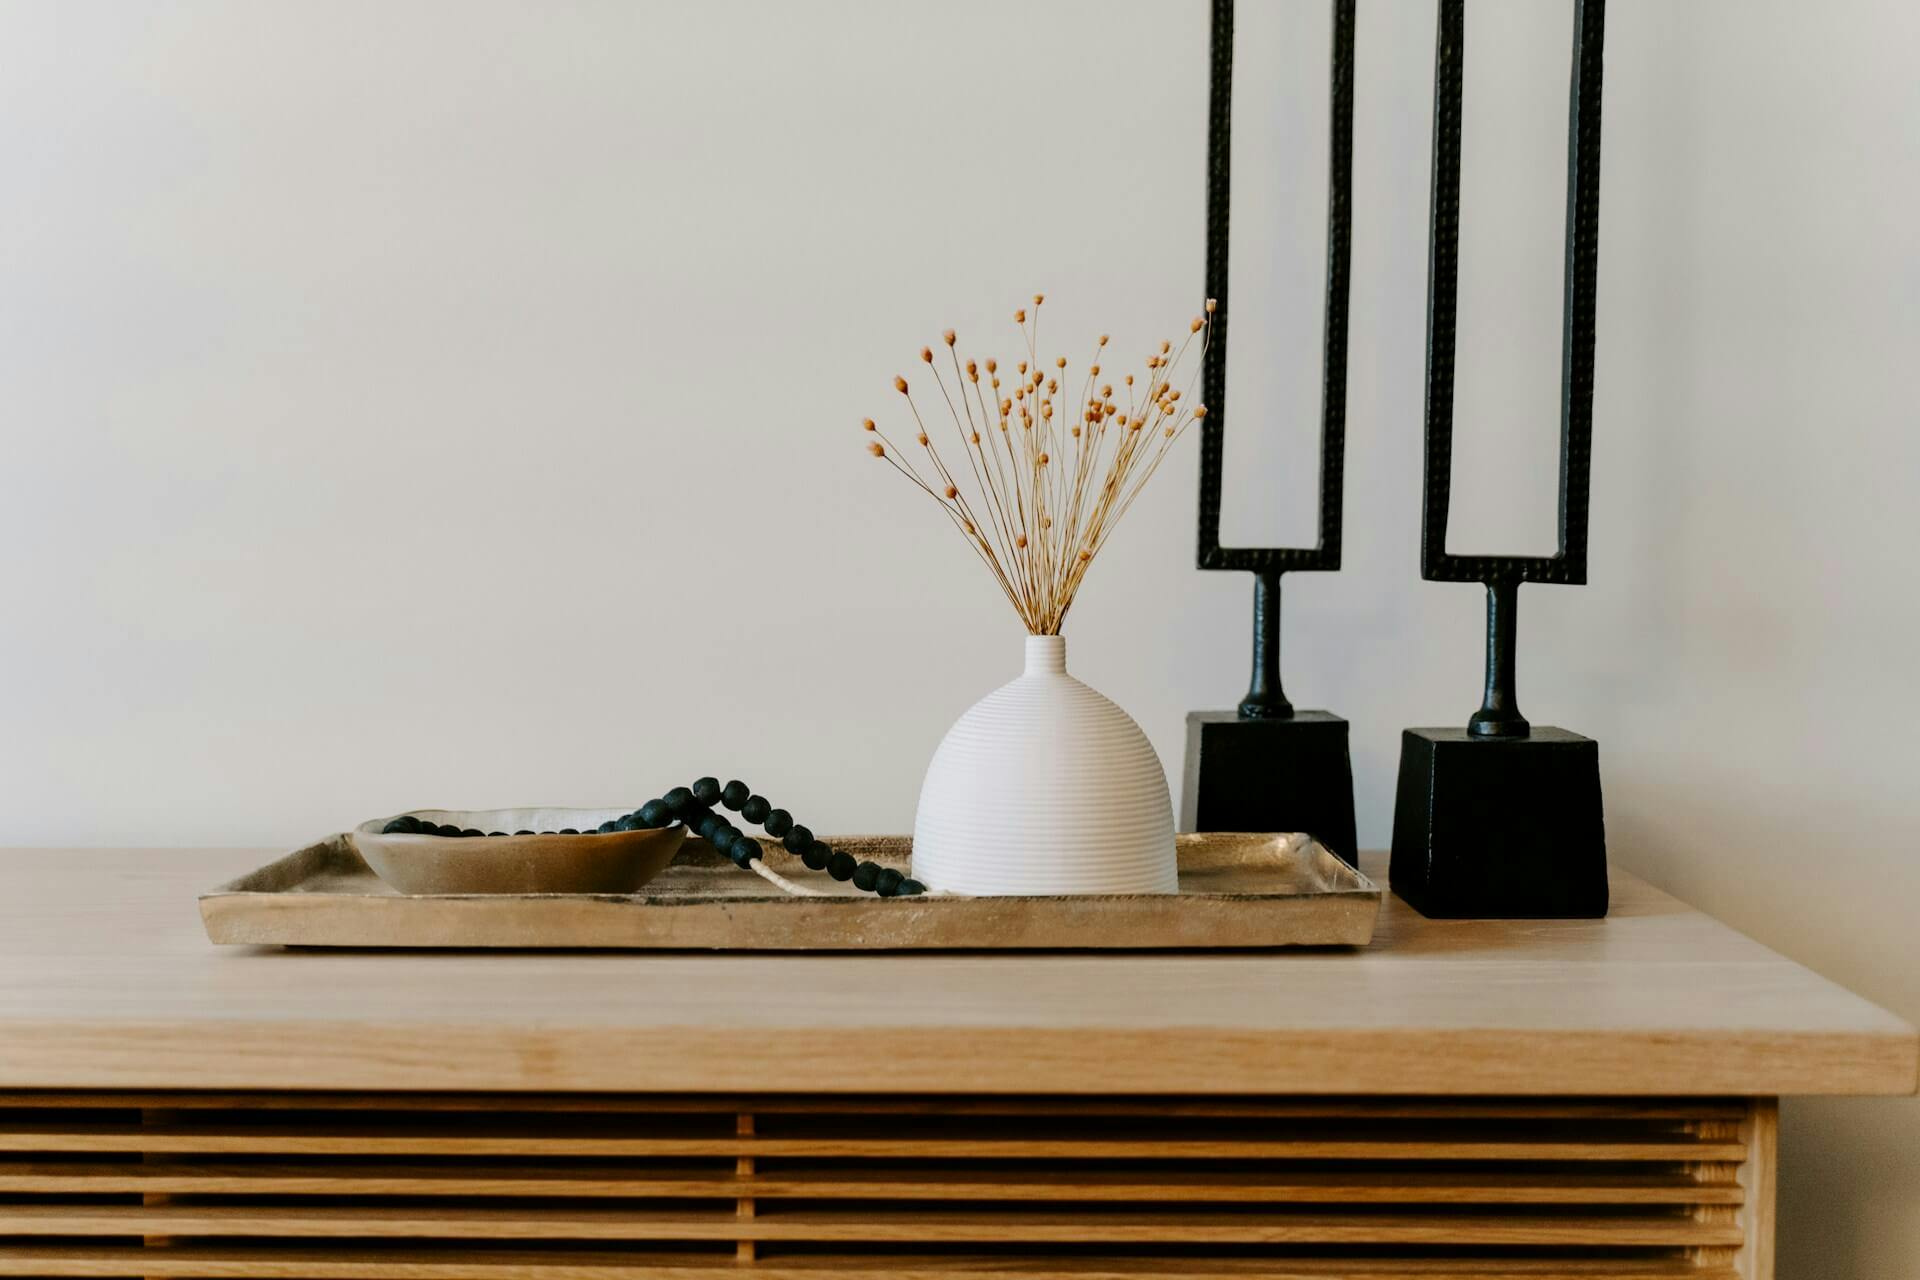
616,862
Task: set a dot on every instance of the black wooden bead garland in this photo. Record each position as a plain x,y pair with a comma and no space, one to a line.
694,806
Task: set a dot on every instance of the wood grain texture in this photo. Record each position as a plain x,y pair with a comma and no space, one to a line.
1759,1179
107,982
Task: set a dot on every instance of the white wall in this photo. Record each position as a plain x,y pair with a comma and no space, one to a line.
454,403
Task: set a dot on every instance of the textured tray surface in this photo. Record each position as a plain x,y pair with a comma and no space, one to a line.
1235,891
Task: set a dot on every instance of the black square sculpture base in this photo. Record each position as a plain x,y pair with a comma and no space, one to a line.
1499,827
1270,775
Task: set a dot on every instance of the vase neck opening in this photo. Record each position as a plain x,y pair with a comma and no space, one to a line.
1046,656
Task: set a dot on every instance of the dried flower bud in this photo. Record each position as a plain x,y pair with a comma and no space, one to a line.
1165,346
1211,304
868,424
1039,298
973,437
1046,411
1173,395
973,371
1103,339
1107,390
1199,411
1020,540
1046,522
1169,432
1085,554
1053,386
1021,368
926,355
1060,362
877,449
968,524
993,366
952,492
1020,316
1093,371
1129,379
1199,323
948,335
900,384
1122,419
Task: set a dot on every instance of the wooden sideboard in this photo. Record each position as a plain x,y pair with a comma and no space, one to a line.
1464,1098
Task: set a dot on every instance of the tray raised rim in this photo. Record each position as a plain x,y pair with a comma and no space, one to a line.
265,907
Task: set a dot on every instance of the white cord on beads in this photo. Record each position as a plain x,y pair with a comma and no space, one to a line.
797,890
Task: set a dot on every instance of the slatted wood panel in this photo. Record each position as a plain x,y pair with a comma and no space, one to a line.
317,1187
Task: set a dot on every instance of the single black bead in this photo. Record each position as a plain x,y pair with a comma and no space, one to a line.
626,822
866,875
778,823
798,839
681,801
496,833
706,790
526,833
568,831
817,854
744,849
654,813
470,832
910,888
605,827
444,829
404,825
887,883
710,825
841,866
735,794
756,809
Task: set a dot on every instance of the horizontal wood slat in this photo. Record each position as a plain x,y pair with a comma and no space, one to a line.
1373,1108
279,1141
310,1264
920,1227
951,1182
492,1186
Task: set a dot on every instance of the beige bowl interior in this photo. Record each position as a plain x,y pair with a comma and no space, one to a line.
616,862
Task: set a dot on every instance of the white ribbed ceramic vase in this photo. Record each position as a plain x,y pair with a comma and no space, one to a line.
1043,787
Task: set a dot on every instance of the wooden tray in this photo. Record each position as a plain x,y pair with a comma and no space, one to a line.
1235,891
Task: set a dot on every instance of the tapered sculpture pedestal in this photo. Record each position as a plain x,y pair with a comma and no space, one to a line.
1270,775
1504,827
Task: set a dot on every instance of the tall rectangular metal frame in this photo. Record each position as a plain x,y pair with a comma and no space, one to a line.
1568,565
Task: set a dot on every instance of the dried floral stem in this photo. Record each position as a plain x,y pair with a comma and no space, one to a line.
1049,482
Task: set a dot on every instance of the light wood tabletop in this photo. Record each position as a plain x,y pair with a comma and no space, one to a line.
107,981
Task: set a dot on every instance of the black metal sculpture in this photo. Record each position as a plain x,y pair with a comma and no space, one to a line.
1267,767
1502,819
